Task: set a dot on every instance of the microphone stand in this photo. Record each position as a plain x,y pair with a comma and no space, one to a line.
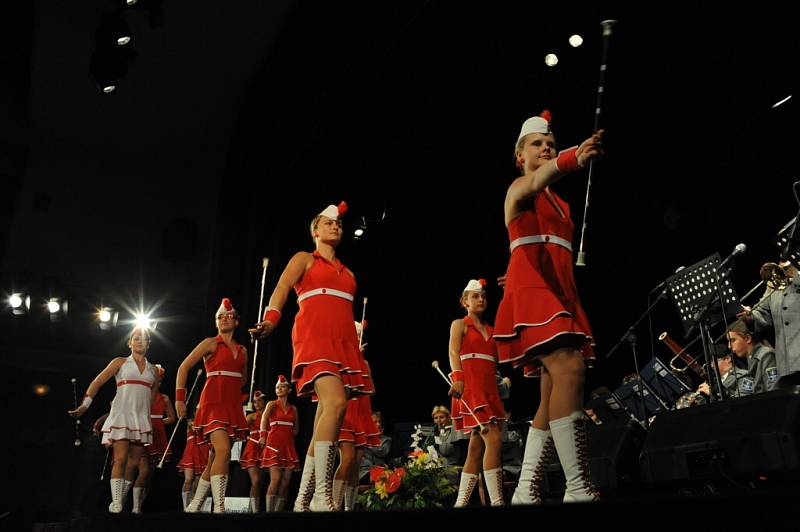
630,337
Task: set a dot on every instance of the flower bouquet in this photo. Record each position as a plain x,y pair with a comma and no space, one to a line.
421,483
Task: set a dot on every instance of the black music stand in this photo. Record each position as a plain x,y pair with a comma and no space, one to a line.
788,242
703,296
663,382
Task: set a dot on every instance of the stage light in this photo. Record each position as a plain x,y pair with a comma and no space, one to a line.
113,53
41,389
144,321
19,303
358,232
575,41
551,60
130,2
104,315
53,305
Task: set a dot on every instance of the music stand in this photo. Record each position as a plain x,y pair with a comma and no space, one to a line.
694,290
702,294
632,394
609,408
663,382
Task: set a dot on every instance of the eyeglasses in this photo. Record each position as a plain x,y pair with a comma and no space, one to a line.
224,315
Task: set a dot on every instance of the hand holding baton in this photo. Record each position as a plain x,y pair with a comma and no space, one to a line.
484,428
177,424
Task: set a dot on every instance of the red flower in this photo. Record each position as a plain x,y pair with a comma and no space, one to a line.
393,483
401,472
414,454
376,473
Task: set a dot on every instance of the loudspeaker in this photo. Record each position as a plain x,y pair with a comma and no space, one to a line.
746,437
613,458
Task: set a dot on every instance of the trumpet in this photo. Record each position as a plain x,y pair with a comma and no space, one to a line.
680,353
775,275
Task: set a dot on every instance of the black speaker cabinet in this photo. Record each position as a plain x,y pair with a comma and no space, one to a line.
747,437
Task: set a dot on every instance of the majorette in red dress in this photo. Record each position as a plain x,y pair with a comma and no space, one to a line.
540,309
158,409
195,454
479,364
323,336
280,450
251,454
220,405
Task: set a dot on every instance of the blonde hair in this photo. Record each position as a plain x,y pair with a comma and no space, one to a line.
440,408
315,222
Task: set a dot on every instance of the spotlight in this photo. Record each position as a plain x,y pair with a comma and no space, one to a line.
575,41
19,303
41,389
113,53
53,305
107,317
144,321
551,60
130,2
358,232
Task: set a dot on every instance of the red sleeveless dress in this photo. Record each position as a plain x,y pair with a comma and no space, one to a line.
195,454
251,454
157,410
324,337
220,405
280,450
479,363
540,310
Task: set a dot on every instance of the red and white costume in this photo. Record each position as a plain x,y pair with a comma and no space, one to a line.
323,336
479,364
195,454
158,408
540,309
220,405
251,454
129,418
280,450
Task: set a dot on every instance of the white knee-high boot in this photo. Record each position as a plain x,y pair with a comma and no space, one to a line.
338,493
349,498
465,487
200,494
539,451
254,506
185,499
138,498
280,502
494,485
270,501
219,485
117,489
307,484
569,436
324,459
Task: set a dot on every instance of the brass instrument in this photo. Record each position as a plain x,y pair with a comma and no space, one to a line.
775,275
680,352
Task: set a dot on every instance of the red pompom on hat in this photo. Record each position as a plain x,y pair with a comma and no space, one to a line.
547,115
257,394
282,380
475,286
536,124
334,212
226,306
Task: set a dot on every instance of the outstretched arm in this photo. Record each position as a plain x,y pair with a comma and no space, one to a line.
97,383
291,275
204,348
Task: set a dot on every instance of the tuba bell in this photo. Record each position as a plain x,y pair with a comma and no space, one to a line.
775,275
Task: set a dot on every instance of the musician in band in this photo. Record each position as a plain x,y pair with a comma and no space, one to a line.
762,371
780,312
736,381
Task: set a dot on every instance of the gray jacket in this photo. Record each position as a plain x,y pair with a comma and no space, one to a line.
762,367
781,313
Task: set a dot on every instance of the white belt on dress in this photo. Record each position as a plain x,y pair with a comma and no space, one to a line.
157,416
273,423
541,239
224,374
490,358
324,292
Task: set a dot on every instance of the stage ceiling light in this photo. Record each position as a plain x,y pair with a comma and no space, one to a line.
575,41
